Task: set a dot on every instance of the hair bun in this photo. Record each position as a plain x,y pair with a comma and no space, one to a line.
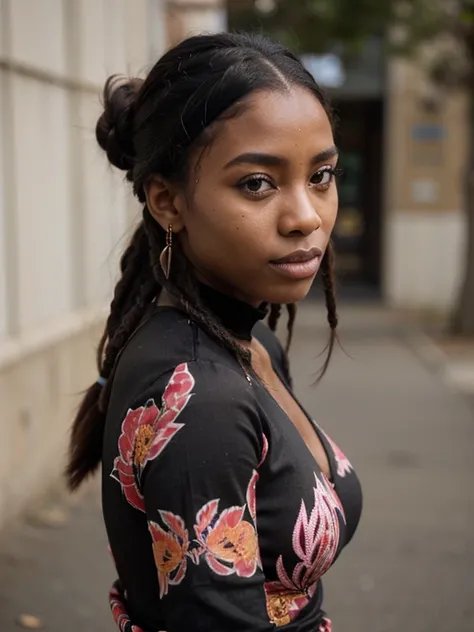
114,129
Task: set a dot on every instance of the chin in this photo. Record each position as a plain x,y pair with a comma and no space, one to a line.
289,292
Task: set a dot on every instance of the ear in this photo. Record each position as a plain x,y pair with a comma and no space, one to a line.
165,203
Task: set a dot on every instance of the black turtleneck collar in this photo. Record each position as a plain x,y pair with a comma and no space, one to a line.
236,316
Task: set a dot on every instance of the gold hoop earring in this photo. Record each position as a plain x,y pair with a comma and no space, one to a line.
165,257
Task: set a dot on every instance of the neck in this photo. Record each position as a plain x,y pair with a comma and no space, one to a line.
237,316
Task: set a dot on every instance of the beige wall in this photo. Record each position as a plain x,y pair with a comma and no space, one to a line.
63,216
413,160
189,17
40,378
424,222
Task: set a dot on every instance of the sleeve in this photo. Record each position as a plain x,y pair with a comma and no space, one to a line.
199,488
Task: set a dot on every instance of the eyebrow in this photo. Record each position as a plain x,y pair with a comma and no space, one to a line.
267,160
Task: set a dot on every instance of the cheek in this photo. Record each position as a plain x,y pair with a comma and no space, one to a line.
220,220
217,236
332,211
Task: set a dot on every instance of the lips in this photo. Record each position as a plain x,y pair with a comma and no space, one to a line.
300,265
299,256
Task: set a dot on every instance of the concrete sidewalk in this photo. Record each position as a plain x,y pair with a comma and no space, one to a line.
54,566
410,438
454,360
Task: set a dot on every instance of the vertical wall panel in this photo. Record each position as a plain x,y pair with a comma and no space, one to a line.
3,224
42,181
37,34
104,209
92,23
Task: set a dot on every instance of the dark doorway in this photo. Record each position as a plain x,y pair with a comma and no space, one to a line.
357,234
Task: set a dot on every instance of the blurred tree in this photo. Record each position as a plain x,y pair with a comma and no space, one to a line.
437,33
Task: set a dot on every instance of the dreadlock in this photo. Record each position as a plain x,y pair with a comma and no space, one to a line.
328,278
327,273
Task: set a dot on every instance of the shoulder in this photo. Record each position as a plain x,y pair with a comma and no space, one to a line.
208,396
163,340
214,386
200,410
195,420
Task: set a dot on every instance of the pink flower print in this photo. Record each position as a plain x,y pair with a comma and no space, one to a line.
147,430
315,539
119,611
343,464
325,625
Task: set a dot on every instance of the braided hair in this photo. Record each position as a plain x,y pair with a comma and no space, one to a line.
328,279
150,127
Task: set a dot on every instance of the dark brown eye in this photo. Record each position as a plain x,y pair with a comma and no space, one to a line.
255,185
323,178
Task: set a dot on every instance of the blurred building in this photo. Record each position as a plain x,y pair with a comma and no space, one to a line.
64,215
186,17
400,230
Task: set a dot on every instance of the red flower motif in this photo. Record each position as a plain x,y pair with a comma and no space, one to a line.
315,539
252,488
228,542
119,611
147,430
325,625
170,550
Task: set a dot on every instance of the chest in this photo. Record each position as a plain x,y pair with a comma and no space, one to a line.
289,406
308,502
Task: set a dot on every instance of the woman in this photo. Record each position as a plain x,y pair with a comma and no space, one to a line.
224,503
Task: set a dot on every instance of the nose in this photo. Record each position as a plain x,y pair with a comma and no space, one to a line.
299,215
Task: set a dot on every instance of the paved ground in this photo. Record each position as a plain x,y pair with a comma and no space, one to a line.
411,439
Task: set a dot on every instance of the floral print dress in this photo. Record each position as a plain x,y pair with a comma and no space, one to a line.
217,513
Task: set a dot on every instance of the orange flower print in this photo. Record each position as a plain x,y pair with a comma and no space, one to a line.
228,542
283,605
170,550
147,430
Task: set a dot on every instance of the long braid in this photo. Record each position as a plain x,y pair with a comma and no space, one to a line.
327,272
145,293
182,284
127,309
274,316
132,263
291,309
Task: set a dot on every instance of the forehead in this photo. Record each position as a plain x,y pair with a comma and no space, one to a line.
275,122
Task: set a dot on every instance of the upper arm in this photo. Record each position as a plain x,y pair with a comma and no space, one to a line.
198,467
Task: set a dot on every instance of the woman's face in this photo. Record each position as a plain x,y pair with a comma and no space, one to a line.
263,199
